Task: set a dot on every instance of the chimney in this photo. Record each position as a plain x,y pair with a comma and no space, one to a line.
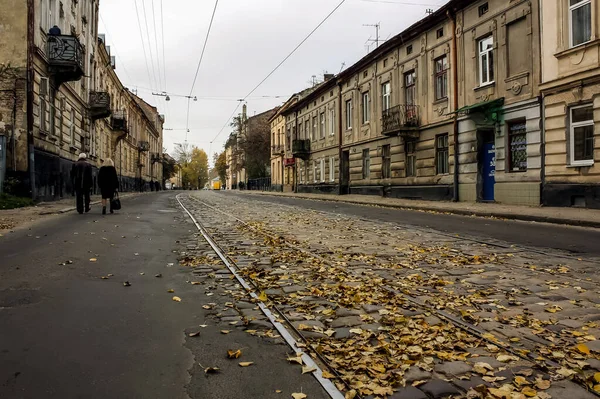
328,76
244,110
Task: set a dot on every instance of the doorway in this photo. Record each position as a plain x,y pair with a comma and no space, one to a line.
486,165
345,173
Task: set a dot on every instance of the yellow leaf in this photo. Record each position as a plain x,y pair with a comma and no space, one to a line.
297,359
521,380
263,297
246,364
196,283
304,327
93,259
176,299
299,396
307,369
597,377
542,384
225,331
234,354
328,375
350,394
529,392
171,291
278,391
583,349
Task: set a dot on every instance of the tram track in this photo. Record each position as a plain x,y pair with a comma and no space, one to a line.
538,360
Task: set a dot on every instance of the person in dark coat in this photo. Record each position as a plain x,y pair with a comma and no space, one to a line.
108,183
81,176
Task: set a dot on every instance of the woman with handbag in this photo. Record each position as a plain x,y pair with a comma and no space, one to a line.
108,183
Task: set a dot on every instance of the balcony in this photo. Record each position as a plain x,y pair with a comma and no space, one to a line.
99,105
277,149
65,58
301,149
144,146
401,120
155,157
118,121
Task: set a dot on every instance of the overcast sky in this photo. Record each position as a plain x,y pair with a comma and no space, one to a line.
248,39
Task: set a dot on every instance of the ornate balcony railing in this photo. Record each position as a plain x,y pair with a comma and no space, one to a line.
65,58
144,146
301,148
118,121
155,157
277,149
99,105
403,120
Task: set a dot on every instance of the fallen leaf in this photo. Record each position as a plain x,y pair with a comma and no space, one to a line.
583,349
350,394
93,260
194,334
171,291
158,275
263,297
542,384
176,299
126,284
327,374
529,392
307,369
299,396
482,368
234,354
246,364
278,391
297,359
195,283
506,358
225,331
211,370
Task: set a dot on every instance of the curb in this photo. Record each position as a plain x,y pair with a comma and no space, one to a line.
72,208
461,212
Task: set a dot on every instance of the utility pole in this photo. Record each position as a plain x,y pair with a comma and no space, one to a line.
377,26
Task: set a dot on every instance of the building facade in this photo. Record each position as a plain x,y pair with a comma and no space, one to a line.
61,96
571,102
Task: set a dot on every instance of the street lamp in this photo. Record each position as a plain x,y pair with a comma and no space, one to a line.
168,97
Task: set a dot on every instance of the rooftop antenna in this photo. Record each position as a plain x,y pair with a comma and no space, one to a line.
342,68
377,26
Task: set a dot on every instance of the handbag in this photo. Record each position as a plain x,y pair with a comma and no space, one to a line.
115,202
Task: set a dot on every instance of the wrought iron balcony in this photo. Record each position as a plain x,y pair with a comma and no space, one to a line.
65,58
118,121
99,105
402,120
277,149
155,157
144,146
301,149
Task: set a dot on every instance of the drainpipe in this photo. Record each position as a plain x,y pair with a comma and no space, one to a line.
340,135
30,80
455,104
295,161
543,149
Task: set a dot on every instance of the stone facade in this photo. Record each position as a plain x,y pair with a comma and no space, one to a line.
65,98
571,98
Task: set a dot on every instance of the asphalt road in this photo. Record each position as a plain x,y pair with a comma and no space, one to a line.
577,240
67,333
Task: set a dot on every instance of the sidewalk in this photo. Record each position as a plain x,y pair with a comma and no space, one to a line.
12,218
567,216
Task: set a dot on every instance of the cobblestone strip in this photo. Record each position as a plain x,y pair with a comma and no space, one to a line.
344,307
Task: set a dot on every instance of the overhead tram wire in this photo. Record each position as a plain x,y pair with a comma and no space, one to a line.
149,44
278,66
115,49
162,27
143,45
156,47
212,18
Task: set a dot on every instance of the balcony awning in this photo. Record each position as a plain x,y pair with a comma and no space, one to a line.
492,110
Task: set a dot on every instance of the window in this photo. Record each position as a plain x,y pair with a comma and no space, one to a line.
439,33
366,163
410,148
322,125
409,49
51,15
331,168
315,171
331,122
386,162
582,135
441,78
348,114
385,63
580,21
441,154
517,142
314,128
386,96
307,129
72,127
43,104
366,107
486,60
322,169
409,87
483,9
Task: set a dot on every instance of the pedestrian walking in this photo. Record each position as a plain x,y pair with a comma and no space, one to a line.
108,183
81,177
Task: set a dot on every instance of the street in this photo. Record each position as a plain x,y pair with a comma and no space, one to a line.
388,303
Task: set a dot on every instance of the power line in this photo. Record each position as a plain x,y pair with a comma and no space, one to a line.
204,47
143,45
156,46
400,3
228,119
295,49
162,25
149,44
116,53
